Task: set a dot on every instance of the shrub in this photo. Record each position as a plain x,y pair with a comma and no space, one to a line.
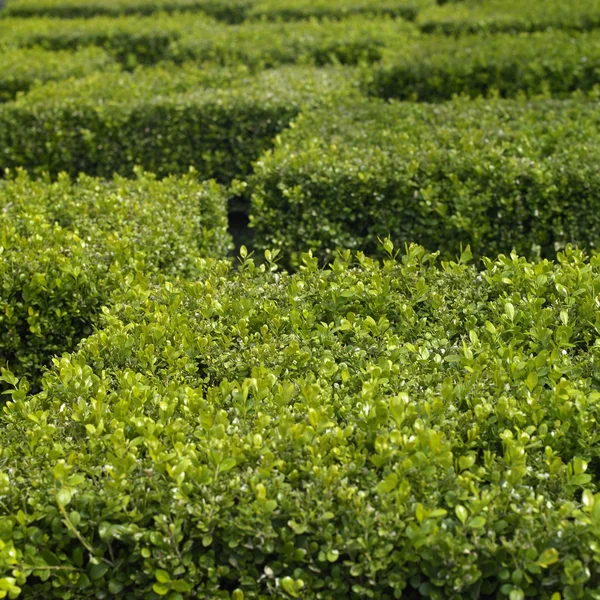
496,175
274,10
162,119
433,68
130,39
20,69
260,45
65,246
232,11
472,16
367,431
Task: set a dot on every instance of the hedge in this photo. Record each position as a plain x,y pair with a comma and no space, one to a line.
405,429
20,69
434,68
130,39
232,11
163,119
66,246
259,45
275,10
471,16
496,175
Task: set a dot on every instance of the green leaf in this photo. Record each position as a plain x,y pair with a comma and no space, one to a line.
547,557
162,576
227,465
462,513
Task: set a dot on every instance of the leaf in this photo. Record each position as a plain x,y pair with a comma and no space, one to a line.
227,465
477,522
97,571
587,499
547,557
462,513
288,584
509,310
162,576
333,555
63,496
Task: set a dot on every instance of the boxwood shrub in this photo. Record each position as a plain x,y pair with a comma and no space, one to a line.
20,69
434,68
232,11
163,119
132,40
275,10
498,175
399,430
470,16
259,45
65,246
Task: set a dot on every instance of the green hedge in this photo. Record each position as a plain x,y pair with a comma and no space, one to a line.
472,16
275,10
259,45
163,119
435,68
496,175
367,431
232,11
65,246
131,39
21,68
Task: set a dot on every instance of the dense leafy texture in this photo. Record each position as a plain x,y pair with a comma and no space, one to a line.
509,15
366,431
65,246
20,69
434,68
497,175
259,45
232,11
163,120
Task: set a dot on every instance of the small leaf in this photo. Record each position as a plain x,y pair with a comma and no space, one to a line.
227,465
333,555
548,557
162,576
63,496
461,513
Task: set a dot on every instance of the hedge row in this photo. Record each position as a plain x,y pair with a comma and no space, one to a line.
232,11
22,68
470,16
131,39
147,40
496,175
335,9
258,45
366,431
434,68
162,119
66,246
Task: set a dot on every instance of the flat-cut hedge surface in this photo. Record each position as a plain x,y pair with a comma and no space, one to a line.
132,39
434,68
258,45
163,119
65,246
336,9
22,68
232,11
497,175
366,431
474,16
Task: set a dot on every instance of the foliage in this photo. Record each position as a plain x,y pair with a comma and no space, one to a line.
472,16
20,69
232,11
405,429
65,246
164,121
494,174
434,68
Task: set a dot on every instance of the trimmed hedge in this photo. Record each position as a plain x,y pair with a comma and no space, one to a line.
148,40
163,119
20,69
66,246
232,11
367,431
259,45
275,10
475,16
496,175
435,68
130,39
